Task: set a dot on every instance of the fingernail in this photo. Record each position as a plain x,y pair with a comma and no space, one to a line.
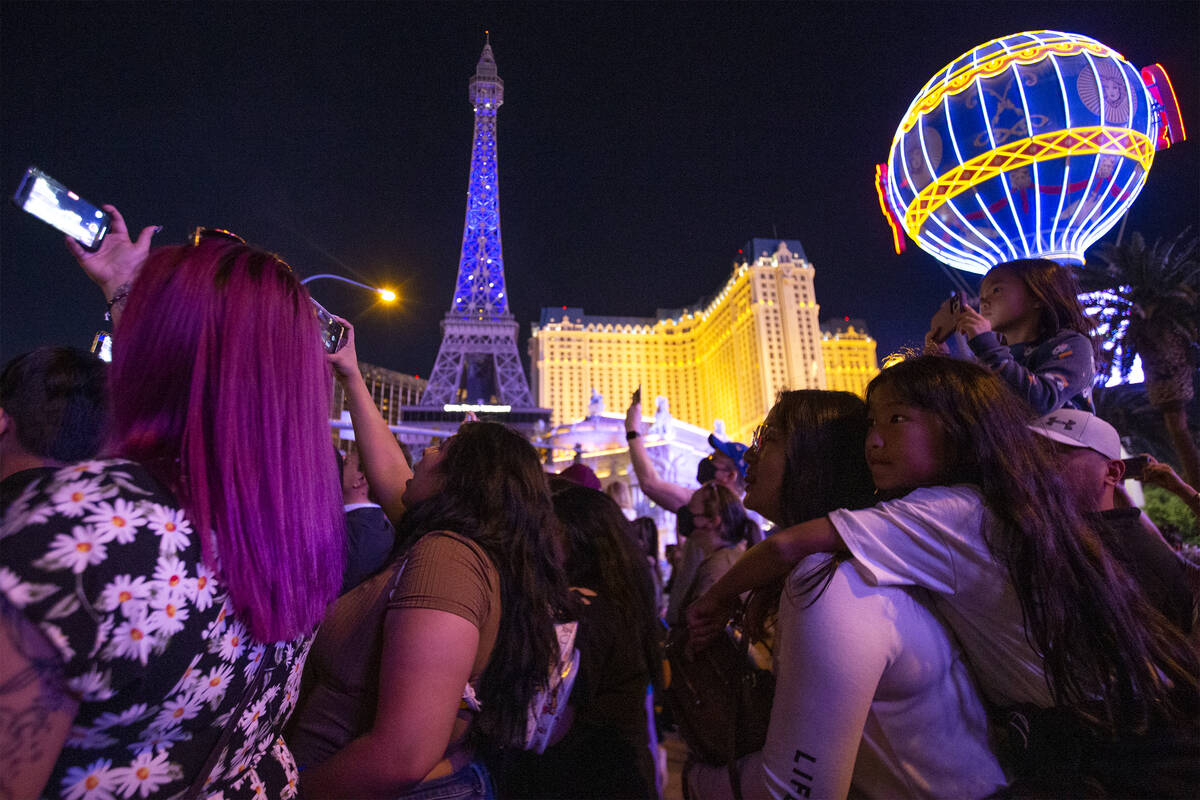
158,228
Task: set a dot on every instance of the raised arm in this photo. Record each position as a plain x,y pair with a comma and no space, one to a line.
668,495
770,559
118,261
382,459
1161,475
1044,386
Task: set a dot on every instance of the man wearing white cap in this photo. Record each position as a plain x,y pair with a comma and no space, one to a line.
1090,451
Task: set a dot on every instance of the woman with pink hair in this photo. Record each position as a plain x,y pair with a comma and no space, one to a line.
157,605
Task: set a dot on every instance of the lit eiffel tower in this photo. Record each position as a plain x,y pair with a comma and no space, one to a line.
478,362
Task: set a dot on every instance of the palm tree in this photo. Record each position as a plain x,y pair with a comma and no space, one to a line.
1149,299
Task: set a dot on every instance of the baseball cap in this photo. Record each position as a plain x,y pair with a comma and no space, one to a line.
735,450
1080,429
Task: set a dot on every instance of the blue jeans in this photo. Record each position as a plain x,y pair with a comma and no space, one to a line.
472,782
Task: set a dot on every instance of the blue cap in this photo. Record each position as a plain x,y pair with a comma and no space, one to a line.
735,450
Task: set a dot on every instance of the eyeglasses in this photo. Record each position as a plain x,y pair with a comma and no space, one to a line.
760,436
215,233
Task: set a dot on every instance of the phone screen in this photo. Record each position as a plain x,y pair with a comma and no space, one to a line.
102,345
53,203
1135,467
333,333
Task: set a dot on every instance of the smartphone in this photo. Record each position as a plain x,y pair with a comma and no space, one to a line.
637,394
1135,467
955,303
333,333
102,345
53,203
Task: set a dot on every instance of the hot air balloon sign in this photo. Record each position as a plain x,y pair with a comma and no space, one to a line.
1032,145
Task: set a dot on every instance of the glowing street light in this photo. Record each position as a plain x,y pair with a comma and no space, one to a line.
386,295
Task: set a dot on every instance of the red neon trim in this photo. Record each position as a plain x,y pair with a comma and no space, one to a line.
1156,79
881,178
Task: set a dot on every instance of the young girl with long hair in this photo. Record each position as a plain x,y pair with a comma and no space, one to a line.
426,666
1030,330
980,518
862,672
159,603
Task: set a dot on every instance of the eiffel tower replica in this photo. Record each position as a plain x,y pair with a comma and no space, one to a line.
478,364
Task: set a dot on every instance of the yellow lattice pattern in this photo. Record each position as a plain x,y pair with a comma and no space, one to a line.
998,63
1043,147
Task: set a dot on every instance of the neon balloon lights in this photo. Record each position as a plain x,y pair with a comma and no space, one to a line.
1031,145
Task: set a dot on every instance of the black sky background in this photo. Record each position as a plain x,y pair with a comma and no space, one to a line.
639,145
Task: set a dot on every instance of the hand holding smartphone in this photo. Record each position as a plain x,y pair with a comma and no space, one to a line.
1135,467
637,395
54,204
333,333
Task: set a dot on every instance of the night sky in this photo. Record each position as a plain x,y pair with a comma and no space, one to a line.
639,145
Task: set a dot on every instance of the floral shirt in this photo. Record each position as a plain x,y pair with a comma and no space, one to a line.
102,559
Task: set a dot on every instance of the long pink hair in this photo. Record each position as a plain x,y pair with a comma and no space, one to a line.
220,388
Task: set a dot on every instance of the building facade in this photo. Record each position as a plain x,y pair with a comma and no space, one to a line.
849,353
725,359
389,389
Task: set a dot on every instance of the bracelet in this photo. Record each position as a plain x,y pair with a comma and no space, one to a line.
631,435
118,297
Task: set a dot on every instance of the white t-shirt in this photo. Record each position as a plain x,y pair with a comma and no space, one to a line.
871,700
934,538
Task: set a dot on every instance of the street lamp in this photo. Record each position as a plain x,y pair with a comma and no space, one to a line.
386,295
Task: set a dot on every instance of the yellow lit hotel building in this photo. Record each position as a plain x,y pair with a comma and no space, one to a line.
725,359
850,358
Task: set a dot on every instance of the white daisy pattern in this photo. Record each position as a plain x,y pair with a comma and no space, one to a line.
145,774
204,588
124,589
76,551
170,577
92,685
134,639
74,498
171,526
93,782
22,594
108,566
118,520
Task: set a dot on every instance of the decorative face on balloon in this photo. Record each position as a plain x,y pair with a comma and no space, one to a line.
1031,145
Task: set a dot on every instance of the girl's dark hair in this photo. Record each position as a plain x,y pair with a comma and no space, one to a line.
823,435
601,555
720,502
495,493
1108,654
1055,287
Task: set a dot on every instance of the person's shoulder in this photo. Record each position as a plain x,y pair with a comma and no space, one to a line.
118,473
440,546
822,584
958,497
1063,343
1067,335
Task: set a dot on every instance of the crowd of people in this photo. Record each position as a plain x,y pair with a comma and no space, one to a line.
955,594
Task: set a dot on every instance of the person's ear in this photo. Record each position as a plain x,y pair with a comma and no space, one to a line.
5,422
1115,472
